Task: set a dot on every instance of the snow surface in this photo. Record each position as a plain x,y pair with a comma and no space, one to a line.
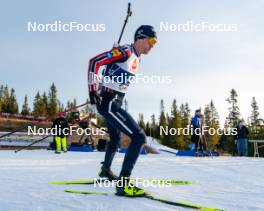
229,183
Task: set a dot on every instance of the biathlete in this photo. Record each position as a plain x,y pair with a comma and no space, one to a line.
121,62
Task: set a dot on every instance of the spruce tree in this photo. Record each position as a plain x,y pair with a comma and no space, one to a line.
185,122
5,100
52,101
254,118
234,112
141,122
74,103
13,106
1,97
162,121
153,127
25,108
37,110
211,119
68,105
175,122
167,137
232,120
60,106
148,129
44,103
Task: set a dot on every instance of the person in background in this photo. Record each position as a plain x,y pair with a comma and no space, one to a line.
60,123
242,139
196,138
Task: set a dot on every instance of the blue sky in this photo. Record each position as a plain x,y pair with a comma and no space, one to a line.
202,65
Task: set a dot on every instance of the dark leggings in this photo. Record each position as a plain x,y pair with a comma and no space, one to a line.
197,143
118,120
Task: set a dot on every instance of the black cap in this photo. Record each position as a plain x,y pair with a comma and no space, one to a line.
145,31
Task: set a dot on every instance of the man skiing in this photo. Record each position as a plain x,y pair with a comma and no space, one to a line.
121,64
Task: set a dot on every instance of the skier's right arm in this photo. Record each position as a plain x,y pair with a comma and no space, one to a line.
119,54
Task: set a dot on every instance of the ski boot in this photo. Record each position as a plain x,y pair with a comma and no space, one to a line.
103,172
124,187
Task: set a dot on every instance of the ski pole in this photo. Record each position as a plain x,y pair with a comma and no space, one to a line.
129,13
70,109
37,141
10,133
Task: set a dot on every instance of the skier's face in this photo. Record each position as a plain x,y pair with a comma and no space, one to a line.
148,44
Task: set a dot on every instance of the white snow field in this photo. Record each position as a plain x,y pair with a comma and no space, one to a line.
227,183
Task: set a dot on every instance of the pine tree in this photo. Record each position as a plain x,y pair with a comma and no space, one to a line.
52,101
74,103
60,106
232,120
167,138
141,122
254,118
175,122
1,97
13,106
37,110
5,100
68,105
162,121
154,130
211,120
148,129
25,107
44,104
234,113
185,122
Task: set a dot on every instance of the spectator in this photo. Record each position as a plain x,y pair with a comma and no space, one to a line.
60,123
196,138
242,139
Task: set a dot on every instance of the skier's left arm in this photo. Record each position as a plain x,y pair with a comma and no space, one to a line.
119,54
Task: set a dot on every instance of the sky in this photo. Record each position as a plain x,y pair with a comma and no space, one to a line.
203,66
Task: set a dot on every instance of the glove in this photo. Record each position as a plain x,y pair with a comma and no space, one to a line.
94,98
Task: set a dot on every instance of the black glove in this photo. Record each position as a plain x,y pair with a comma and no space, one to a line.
94,98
